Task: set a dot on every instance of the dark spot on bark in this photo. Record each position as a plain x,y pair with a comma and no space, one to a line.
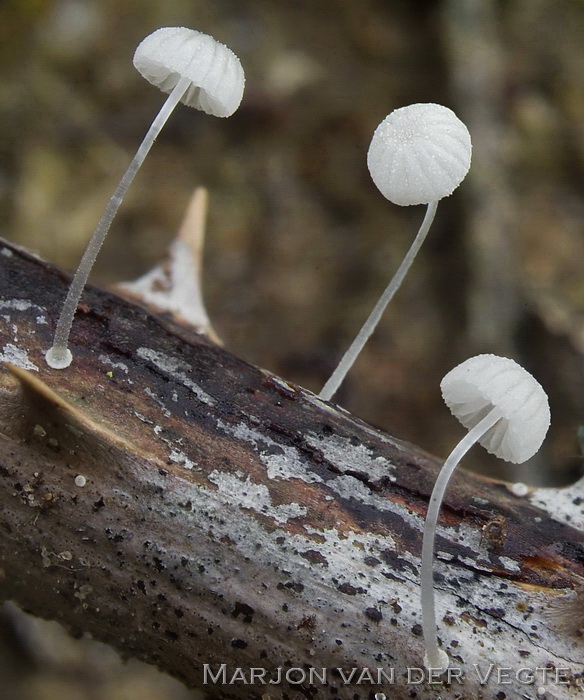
314,557
448,620
355,441
245,610
163,472
308,622
397,608
573,551
397,563
238,644
98,505
169,634
327,430
141,585
374,614
158,564
417,630
372,561
293,585
497,613
274,450
391,576
347,589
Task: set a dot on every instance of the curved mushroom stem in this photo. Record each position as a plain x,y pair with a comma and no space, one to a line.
436,658
59,356
357,345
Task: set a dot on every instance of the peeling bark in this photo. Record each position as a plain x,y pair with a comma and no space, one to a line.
229,517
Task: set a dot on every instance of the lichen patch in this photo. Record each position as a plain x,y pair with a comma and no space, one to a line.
255,496
17,356
176,370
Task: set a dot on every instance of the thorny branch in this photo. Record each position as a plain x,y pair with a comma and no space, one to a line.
231,517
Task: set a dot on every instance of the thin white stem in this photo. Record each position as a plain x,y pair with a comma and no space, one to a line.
59,355
434,656
357,345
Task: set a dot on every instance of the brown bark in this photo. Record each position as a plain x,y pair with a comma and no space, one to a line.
231,517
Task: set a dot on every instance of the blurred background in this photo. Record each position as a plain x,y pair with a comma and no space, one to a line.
300,243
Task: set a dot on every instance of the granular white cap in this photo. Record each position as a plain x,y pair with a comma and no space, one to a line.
484,382
419,154
172,53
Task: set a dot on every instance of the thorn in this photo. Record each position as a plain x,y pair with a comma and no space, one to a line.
176,284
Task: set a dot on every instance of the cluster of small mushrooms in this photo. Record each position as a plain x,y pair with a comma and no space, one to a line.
419,154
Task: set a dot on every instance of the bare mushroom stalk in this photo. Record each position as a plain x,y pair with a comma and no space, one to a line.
194,69
507,412
59,356
336,378
419,154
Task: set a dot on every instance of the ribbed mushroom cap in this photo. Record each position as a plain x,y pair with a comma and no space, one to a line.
483,382
217,77
419,154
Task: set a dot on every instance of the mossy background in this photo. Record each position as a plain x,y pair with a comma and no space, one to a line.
300,243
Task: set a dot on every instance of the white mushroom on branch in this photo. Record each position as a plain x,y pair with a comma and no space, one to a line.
196,70
419,154
506,411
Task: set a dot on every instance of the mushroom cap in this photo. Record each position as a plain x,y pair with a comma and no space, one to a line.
419,154
484,382
171,53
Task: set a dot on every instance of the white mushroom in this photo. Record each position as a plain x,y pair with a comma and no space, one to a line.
212,74
196,70
419,154
507,412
